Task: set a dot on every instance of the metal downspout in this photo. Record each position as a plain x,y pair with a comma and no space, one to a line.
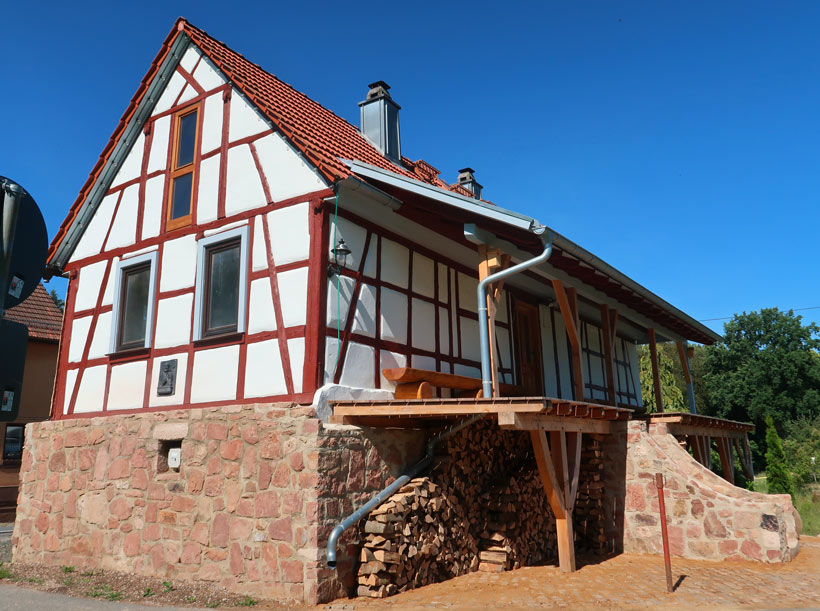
385,494
483,315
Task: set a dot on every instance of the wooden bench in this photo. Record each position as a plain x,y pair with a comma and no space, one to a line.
419,384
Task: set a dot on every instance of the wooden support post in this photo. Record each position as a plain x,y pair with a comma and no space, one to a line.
609,322
694,442
559,465
568,304
707,451
744,454
683,353
656,374
726,463
489,262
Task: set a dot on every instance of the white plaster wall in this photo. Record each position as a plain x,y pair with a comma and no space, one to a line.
286,172
259,256
174,321
423,362
101,341
296,351
424,281
91,242
354,236
470,345
158,157
443,331
189,59
207,75
169,94
261,315
501,311
370,264
79,335
389,360
503,342
178,264
244,187
155,400
188,93
467,287
394,316
364,320
264,376
208,194
244,120
212,123
290,233
358,366
70,379
92,390
293,287
215,374
89,286
443,293
331,355
132,165
124,227
395,263
127,385
423,325
339,293
152,213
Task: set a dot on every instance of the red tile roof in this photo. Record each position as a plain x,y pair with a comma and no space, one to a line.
40,314
322,136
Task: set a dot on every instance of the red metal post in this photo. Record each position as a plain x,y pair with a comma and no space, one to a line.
665,535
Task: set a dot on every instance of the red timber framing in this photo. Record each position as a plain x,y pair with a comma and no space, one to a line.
555,426
448,353
609,323
698,432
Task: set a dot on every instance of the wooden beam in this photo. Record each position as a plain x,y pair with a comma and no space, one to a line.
568,304
413,390
609,322
680,430
684,361
546,470
726,463
545,422
656,376
434,408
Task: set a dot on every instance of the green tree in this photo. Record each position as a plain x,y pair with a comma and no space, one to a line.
671,393
767,364
56,299
778,478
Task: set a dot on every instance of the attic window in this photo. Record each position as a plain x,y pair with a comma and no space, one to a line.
180,195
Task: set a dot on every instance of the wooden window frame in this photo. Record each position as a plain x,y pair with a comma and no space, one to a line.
123,267
190,168
205,247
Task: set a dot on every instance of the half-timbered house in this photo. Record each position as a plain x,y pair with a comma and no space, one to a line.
243,262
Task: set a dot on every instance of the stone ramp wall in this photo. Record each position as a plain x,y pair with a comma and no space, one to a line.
708,517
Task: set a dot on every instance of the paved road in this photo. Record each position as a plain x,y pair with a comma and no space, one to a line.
15,598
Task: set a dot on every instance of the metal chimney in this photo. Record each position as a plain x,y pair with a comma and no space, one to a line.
380,120
466,178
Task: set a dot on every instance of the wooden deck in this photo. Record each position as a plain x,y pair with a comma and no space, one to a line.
525,413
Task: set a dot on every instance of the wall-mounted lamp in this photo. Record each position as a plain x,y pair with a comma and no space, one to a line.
340,254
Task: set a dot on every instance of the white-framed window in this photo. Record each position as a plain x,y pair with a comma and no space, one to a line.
221,284
132,319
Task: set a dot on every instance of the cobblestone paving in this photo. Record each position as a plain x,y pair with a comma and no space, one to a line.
626,581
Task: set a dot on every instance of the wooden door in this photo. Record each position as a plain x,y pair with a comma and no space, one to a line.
528,348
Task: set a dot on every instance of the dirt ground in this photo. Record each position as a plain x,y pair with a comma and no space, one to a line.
625,581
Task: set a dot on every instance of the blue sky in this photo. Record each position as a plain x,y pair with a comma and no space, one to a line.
677,141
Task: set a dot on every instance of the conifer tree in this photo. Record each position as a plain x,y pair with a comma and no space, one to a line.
778,478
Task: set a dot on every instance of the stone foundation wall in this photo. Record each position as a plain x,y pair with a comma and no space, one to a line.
258,490
707,517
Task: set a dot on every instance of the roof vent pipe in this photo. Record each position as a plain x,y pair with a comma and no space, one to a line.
466,178
380,120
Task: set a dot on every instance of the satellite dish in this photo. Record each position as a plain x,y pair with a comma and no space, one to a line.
29,246
14,340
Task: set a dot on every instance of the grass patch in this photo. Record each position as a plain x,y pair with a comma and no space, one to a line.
5,572
212,605
67,569
105,591
148,592
246,602
809,512
68,581
167,586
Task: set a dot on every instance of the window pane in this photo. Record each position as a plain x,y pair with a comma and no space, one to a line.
187,139
13,448
223,288
134,306
181,204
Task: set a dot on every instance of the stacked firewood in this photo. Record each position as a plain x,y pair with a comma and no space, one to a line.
482,507
589,517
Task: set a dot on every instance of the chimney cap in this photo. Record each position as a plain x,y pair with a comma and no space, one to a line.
381,84
466,171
